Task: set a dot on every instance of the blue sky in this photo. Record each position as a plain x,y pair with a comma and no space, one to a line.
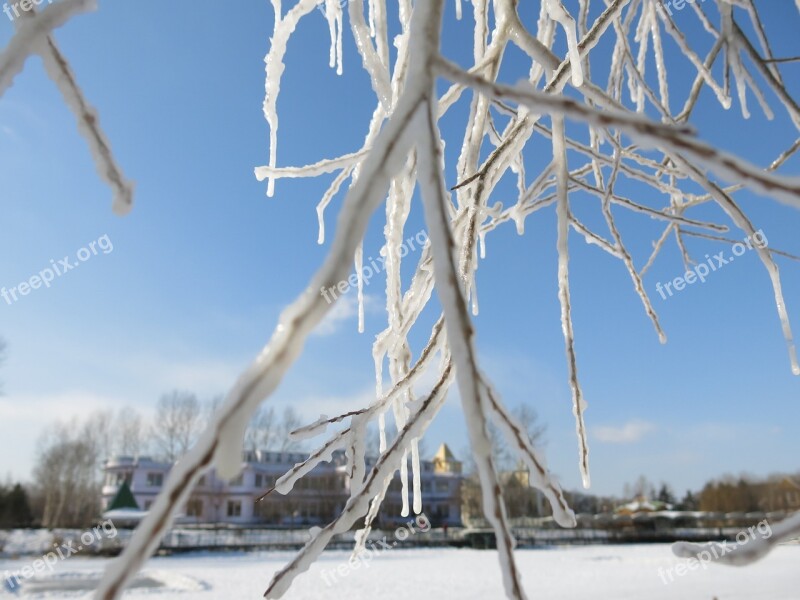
204,263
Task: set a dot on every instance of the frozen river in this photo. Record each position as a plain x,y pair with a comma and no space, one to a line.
631,572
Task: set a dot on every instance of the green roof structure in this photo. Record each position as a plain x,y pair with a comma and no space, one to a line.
123,499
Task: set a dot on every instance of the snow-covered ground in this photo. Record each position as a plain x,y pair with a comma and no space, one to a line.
604,572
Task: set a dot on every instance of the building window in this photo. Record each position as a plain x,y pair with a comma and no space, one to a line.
239,481
442,486
194,508
148,504
155,479
234,508
120,477
202,481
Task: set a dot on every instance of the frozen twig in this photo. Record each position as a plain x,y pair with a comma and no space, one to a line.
743,554
403,151
33,36
32,33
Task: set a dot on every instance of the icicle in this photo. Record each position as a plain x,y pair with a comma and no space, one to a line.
358,453
326,199
473,294
558,13
371,8
740,78
458,9
382,433
321,223
401,418
661,65
333,14
741,90
275,68
641,59
415,467
734,60
339,53
518,216
562,211
404,511
359,260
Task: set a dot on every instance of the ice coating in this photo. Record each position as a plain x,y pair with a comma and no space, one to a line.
559,13
359,264
33,36
284,26
333,14
403,151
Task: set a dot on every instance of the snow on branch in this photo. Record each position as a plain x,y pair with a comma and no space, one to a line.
89,126
32,33
403,151
33,36
746,553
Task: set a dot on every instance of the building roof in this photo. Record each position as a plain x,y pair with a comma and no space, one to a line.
642,504
124,499
444,454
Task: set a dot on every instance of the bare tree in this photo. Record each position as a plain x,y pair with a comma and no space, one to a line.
639,488
403,151
504,453
519,498
66,475
261,431
210,407
98,432
290,421
69,465
131,432
176,424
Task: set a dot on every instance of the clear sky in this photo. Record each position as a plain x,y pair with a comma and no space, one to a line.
204,263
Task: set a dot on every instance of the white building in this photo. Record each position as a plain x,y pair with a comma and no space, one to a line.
316,499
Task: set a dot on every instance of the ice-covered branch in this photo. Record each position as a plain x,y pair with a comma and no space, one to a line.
540,475
674,139
33,36
403,151
358,504
460,334
32,33
746,553
89,126
221,443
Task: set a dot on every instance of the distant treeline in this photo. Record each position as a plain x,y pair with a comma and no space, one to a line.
15,509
